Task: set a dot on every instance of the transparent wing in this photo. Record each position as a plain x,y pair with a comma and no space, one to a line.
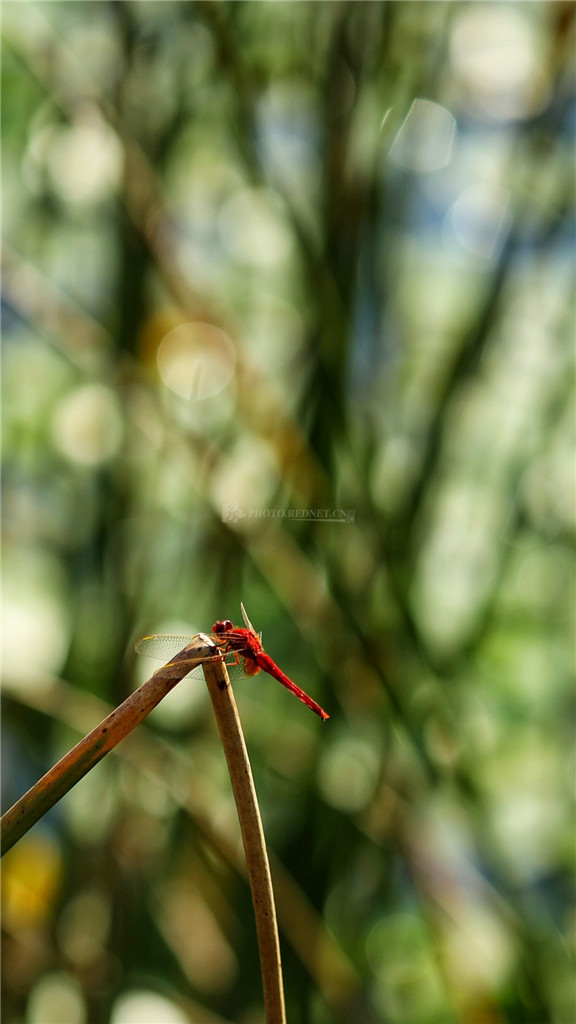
164,646
247,622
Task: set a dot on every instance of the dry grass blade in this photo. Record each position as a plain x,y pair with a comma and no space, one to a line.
232,738
90,750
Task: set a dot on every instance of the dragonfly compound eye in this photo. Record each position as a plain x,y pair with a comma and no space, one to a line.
222,627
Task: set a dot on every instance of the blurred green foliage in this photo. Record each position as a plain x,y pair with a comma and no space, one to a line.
287,319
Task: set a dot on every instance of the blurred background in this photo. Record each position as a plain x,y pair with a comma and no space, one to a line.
287,320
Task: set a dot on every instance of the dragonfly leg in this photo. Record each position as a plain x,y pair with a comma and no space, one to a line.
231,653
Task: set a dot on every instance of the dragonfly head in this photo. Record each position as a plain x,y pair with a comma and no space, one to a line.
224,626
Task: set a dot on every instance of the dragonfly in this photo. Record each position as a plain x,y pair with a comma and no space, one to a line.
239,648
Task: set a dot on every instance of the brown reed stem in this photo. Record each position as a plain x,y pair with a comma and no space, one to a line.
93,747
232,737
34,804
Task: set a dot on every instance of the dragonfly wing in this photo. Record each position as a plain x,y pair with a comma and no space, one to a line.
247,622
178,669
163,645
177,648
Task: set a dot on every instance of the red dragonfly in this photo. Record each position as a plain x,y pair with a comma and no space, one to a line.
238,647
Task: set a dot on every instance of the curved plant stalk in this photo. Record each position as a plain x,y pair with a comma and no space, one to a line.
90,750
335,978
228,721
